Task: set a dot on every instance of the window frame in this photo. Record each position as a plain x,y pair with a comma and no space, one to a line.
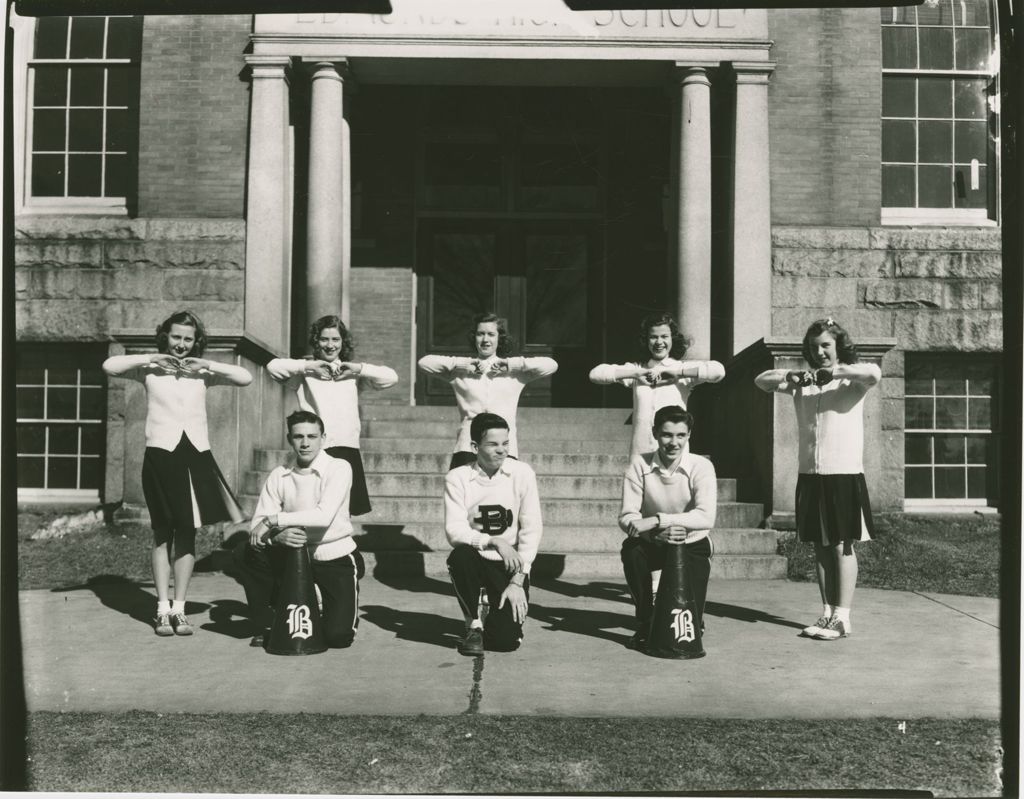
980,217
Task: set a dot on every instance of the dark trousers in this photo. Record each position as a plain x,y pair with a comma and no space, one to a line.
640,558
470,572
338,581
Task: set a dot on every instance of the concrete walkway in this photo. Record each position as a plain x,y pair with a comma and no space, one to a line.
91,648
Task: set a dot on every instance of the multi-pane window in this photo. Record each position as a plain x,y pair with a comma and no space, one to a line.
84,95
939,102
950,432
60,393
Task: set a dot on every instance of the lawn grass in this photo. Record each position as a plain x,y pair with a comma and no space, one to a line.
944,554
302,753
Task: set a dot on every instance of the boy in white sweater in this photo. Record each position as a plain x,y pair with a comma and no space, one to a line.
492,519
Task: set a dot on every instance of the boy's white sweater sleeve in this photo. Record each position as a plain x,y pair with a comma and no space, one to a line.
531,526
269,502
456,515
336,486
632,497
378,376
704,489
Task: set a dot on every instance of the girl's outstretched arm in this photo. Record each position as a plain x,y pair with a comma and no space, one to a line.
378,376
445,365
532,368
703,371
773,380
867,374
607,373
123,365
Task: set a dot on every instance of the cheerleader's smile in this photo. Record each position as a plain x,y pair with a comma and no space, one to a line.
180,340
659,342
329,344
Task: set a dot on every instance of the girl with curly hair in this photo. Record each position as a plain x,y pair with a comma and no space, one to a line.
492,381
832,505
659,377
328,384
183,486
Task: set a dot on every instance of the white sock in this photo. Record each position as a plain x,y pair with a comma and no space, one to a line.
843,614
476,624
163,606
826,611
177,606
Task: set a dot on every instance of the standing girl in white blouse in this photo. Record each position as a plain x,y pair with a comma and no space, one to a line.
491,382
658,379
183,486
832,505
328,385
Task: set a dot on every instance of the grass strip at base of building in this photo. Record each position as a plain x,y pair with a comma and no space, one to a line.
944,554
303,753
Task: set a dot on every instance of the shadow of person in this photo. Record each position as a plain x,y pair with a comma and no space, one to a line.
223,621
126,596
749,615
610,592
592,623
423,628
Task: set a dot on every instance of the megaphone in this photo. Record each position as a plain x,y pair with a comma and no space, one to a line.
675,622
297,628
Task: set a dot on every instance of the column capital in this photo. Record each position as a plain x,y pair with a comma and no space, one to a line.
331,68
753,71
268,66
693,71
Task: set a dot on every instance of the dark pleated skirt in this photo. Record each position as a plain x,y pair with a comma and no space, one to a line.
833,508
166,477
359,500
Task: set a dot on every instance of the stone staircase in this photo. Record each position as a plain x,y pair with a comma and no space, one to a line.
579,456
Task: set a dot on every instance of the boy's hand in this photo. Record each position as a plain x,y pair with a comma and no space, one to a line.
512,560
294,537
515,595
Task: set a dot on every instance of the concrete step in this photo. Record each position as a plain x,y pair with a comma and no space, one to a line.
588,512
562,539
525,416
432,485
534,431
579,565
528,449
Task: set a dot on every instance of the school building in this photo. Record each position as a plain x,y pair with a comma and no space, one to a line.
748,170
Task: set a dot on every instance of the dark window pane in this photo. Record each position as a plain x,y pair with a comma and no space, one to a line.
939,13
91,377
949,449
898,186
93,442
980,414
936,48
918,448
123,37
919,414
62,376
919,368
51,86
897,141
918,385
118,176
897,96
977,449
979,384
973,49
935,98
87,37
33,375
463,283
899,48
123,86
62,473
91,403
967,196
972,12
86,86
48,176
950,483
29,403
918,483
120,130
935,142
48,131
556,282
971,142
947,386
91,472
64,439
52,37
61,403
950,414
971,99
976,484
31,439
935,185
30,473
84,176
85,130
462,175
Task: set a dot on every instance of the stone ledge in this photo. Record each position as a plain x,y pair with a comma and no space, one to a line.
118,228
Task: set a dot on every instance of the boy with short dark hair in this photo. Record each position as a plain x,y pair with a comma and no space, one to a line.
492,519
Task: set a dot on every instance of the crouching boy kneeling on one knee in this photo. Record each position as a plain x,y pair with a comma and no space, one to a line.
305,504
492,519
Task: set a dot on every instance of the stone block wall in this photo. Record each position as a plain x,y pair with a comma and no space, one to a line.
78,278
824,105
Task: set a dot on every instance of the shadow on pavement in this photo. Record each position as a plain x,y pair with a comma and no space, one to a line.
424,628
223,613
608,592
747,614
594,623
126,596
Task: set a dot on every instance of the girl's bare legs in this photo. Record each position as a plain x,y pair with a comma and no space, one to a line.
828,577
161,571
183,566
847,575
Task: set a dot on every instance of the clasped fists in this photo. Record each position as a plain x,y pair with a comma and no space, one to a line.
169,365
334,370
819,377
478,367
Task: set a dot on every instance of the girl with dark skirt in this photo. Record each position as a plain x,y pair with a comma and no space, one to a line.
832,505
328,385
183,486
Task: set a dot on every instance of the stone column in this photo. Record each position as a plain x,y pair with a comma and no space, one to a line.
327,238
751,209
693,259
267,218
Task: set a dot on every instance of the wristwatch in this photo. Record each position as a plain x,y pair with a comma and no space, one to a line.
521,582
